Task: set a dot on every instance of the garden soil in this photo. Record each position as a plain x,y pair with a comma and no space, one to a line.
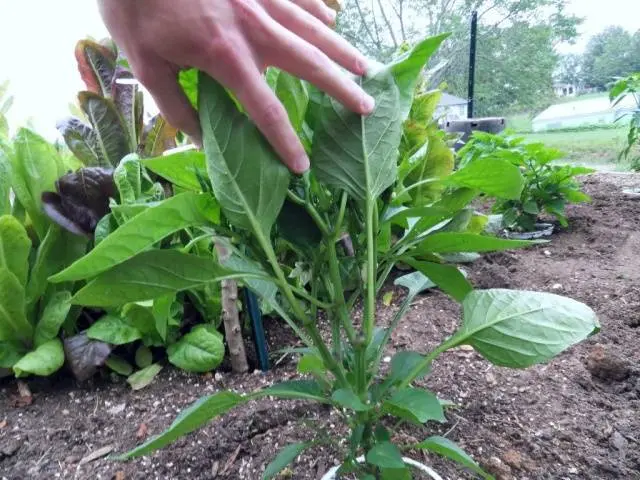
577,417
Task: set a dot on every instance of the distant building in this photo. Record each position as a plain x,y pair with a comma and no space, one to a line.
566,90
582,113
451,108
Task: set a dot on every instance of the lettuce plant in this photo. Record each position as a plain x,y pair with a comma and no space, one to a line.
110,126
352,191
33,312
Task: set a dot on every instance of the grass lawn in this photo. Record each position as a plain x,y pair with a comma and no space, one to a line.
597,148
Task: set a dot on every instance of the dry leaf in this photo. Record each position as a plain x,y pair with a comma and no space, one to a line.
96,454
3,424
142,432
119,475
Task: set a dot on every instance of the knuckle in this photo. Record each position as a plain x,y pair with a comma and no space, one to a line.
273,113
319,64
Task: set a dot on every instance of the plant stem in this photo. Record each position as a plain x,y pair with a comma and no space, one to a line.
309,324
416,185
370,305
311,210
452,342
301,292
338,292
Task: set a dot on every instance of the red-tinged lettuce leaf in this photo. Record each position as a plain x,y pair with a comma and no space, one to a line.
81,140
85,356
96,64
128,102
112,136
81,200
158,137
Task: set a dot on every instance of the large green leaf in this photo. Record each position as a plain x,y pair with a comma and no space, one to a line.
15,247
359,154
10,354
180,168
143,378
293,94
201,412
113,330
35,167
287,455
200,350
5,179
385,455
295,390
149,275
128,179
415,405
53,316
345,397
493,176
447,277
14,325
46,359
111,134
518,329
445,447
436,163
452,242
298,227
141,232
248,179
58,249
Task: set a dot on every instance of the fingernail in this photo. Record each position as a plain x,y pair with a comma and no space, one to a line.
301,165
362,66
368,104
330,15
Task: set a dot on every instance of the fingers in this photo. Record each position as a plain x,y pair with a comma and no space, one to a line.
294,55
308,26
162,83
318,9
270,116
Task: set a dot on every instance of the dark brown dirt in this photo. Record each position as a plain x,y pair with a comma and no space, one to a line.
577,417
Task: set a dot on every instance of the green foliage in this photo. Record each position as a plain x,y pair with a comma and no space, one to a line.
548,187
609,55
358,212
32,313
509,33
623,88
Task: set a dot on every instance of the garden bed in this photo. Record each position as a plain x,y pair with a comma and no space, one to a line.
576,417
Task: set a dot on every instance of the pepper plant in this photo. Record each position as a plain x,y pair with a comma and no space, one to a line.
629,87
349,191
548,186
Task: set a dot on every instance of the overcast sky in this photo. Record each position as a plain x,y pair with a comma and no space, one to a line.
37,39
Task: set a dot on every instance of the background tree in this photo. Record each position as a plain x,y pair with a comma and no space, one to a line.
610,54
570,70
516,39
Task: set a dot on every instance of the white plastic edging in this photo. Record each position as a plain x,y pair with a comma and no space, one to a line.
331,474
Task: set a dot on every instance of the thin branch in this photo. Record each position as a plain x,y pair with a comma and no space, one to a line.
389,26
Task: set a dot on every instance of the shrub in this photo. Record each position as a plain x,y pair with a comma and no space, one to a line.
548,187
623,88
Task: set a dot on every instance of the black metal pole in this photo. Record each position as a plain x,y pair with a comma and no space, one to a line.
472,63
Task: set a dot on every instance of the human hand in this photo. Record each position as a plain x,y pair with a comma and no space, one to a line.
234,41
